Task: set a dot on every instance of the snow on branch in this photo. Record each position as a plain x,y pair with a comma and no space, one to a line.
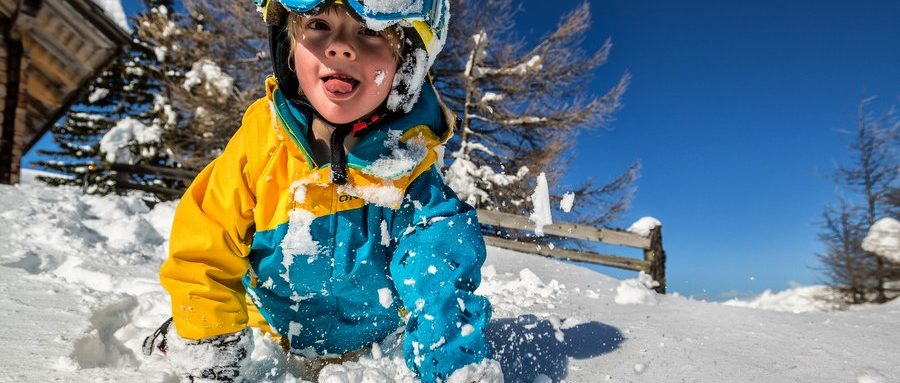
214,81
884,239
533,64
116,145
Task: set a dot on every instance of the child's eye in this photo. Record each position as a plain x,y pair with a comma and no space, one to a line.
317,25
369,32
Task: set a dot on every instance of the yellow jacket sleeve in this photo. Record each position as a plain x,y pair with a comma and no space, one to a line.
211,236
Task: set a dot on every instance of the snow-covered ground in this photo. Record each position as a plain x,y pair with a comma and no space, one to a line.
79,291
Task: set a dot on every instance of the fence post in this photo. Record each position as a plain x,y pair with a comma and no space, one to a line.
656,258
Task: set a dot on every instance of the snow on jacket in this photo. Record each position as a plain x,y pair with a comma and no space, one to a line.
263,238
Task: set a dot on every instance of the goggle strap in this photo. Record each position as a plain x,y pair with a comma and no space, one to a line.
274,13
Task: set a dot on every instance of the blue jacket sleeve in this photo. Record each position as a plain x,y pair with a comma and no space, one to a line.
436,267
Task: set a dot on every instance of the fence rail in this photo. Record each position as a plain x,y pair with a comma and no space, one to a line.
654,262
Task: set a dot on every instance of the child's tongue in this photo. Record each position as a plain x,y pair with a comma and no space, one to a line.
338,85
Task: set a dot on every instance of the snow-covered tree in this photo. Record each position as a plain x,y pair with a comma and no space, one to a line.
872,177
119,119
212,69
174,99
523,107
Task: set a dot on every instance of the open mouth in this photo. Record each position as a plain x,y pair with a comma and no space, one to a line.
339,84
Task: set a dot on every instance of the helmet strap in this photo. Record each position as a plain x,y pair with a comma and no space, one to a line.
340,133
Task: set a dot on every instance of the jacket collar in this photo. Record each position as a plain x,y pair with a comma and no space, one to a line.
389,150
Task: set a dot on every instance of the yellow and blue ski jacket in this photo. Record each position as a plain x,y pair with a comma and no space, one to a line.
394,243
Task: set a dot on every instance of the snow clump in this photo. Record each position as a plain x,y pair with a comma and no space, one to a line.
385,195
471,182
644,226
488,371
518,296
298,240
541,200
98,94
115,144
401,160
797,299
637,291
568,200
216,83
884,239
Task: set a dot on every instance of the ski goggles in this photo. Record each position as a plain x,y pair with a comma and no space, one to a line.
376,11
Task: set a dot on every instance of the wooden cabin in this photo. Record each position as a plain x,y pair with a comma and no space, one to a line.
50,50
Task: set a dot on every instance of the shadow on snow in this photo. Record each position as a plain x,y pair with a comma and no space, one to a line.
528,346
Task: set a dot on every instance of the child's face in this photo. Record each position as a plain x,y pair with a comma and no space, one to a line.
344,69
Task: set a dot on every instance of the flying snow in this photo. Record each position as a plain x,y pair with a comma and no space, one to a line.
568,200
541,215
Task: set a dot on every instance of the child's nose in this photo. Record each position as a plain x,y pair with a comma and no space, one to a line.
340,49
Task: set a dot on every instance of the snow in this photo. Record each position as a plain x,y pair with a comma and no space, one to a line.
98,94
115,143
884,239
491,96
79,291
385,195
533,64
160,52
395,6
385,234
568,200
191,357
480,39
29,176
540,199
298,239
115,12
474,183
385,297
488,371
797,299
637,291
214,81
412,72
398,161
164,108
644,226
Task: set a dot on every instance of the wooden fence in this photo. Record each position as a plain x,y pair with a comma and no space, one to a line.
654,262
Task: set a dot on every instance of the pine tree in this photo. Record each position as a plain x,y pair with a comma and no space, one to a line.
523,108
120,118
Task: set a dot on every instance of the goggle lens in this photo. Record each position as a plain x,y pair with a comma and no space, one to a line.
381,10
301,6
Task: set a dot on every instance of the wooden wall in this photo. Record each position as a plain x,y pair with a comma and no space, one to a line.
67,43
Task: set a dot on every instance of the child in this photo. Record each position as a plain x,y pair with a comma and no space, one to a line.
325,221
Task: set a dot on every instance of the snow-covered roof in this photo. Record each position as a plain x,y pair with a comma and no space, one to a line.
115,12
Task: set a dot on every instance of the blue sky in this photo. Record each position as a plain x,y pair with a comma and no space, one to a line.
735,111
